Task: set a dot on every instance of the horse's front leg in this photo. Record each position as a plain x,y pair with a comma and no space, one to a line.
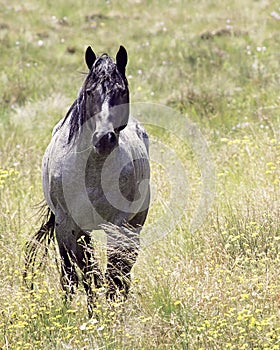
69,278
122,251
75,249
90,269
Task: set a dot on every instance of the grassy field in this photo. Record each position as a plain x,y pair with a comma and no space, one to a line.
214,62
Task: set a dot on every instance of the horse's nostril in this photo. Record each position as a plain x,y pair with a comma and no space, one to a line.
106,142
112,138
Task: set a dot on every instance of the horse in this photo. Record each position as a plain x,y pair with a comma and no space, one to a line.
96,175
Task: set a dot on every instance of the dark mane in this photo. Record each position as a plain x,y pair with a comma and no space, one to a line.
104,72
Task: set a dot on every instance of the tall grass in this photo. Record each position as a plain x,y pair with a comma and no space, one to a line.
218,63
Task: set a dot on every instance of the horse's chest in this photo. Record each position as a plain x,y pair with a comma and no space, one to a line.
93,190
113,179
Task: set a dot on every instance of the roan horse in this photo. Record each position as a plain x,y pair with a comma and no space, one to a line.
96,175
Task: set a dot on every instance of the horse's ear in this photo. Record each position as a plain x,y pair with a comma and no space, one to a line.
90,57
121,59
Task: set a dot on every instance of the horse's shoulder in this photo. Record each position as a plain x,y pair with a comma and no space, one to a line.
135,128
141,132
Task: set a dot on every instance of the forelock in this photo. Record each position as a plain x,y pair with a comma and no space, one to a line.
104,70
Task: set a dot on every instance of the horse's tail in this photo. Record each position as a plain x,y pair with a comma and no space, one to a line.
45,235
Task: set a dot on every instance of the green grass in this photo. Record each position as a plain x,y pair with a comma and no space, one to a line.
216,287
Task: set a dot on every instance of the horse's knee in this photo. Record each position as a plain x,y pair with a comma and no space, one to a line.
118,274
87,262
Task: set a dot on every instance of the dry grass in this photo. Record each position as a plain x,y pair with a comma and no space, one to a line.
216,287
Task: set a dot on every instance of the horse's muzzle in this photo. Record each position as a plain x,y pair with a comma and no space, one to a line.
104,144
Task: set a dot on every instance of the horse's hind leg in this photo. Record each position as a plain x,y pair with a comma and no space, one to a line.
89,267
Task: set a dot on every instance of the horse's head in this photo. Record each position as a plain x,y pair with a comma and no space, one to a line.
106,98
